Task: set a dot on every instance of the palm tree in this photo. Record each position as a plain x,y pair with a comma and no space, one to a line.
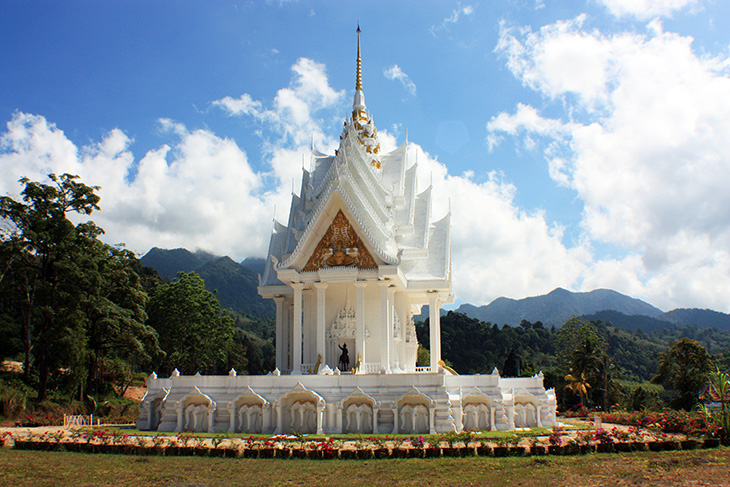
586,365
720,389
586,358
578,383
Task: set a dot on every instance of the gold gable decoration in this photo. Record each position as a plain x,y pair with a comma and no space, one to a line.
340,246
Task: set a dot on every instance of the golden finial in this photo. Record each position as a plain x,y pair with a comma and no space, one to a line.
358,82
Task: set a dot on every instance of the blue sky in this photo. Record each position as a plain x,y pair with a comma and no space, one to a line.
580,144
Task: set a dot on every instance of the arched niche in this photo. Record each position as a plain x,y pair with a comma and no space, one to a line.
342,333
301,411
477,411
151,406
196,412
526,411
358,412
414,413
248,412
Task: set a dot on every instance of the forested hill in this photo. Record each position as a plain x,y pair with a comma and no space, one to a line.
233,283
473,346
554,308
699,317
168,262
557,306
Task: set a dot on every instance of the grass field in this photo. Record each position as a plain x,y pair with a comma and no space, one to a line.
32,468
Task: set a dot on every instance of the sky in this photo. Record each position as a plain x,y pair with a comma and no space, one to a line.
580,145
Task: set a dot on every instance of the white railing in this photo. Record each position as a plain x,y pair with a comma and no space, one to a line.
423,370
371,368
307,368
78,420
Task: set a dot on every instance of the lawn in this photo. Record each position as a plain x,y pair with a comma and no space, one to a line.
33,468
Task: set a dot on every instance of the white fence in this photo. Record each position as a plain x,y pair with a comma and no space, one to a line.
79,420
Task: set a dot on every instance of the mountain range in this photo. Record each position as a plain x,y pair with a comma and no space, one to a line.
235,284
606,305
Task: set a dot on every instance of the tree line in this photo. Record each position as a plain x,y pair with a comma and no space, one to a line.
589,363
85,317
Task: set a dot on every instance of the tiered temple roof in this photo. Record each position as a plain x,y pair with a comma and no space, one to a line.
380,193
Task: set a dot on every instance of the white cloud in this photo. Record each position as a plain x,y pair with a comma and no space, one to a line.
458,13
500,250
395,72
200,192
647,9
525,119
559,59
650,160
292,116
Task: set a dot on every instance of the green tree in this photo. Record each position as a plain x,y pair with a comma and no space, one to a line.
40,245
719,390
684,368
578,383
193,333
114,302
584,369
578,336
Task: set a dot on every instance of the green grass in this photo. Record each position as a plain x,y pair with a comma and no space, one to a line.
629,386
32,468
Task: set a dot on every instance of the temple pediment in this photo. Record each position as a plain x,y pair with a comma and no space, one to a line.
340,246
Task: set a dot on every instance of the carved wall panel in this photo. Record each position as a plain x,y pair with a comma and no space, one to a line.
340,246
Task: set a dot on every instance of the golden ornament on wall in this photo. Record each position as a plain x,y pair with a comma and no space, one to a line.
340,246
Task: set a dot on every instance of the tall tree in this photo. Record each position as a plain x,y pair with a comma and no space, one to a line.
40,242
114,300
193,333
685,368
572,339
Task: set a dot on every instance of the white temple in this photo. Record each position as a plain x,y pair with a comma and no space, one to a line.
358,259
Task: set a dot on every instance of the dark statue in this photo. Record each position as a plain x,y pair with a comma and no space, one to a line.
344,358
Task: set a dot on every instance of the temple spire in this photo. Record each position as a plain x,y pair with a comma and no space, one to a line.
358,79
358,105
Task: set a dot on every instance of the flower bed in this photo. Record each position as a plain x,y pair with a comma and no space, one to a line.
559,442
670,421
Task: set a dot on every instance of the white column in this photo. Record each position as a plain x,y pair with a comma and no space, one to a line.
278,411
297,330
280,342
307,331
391,328
232,417
320,419
434,308
321,287
360,324
338,419
180,418
386,331
403,316
211,418
288,323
